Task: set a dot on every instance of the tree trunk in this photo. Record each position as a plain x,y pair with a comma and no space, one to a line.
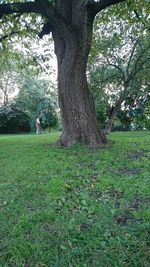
76,105
72,39
110,122
115,110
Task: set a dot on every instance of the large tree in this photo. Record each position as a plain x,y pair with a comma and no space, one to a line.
71,23
119,61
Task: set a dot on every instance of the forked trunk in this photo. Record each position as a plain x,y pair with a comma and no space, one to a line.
76,105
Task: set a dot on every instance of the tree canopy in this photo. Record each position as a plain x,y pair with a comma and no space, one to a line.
119,63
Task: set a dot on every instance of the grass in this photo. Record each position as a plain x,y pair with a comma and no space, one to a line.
75,207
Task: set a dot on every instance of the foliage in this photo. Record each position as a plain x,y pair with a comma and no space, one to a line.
123,121
18,74
119,66
13,120
31,91
140,113
37,97
100,97
76,207
9,76
15,67
46,112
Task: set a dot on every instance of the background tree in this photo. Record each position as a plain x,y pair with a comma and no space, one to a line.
30,93
122,60
15,66
22,72
23,89
9,76
137,108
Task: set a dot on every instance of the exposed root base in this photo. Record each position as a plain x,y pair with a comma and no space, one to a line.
67,140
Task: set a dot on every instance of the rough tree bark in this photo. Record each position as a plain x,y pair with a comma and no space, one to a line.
77,108
71,25
76,105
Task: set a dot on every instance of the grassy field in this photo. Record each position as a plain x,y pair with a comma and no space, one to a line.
75,207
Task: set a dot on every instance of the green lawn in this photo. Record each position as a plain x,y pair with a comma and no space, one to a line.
75,207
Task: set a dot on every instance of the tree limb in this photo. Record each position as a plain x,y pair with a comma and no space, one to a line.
43,7
132,54
102,4
117,67
137,67
8,35
13,8
140,19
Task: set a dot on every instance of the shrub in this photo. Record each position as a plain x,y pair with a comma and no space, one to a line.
13,120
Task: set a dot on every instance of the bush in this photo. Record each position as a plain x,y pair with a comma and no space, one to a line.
13,120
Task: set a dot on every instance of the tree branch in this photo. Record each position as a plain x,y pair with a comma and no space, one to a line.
117,67
102,4
13,8
8,35
140,19
43,7
137,67
132,54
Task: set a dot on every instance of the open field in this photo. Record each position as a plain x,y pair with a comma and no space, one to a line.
75,207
